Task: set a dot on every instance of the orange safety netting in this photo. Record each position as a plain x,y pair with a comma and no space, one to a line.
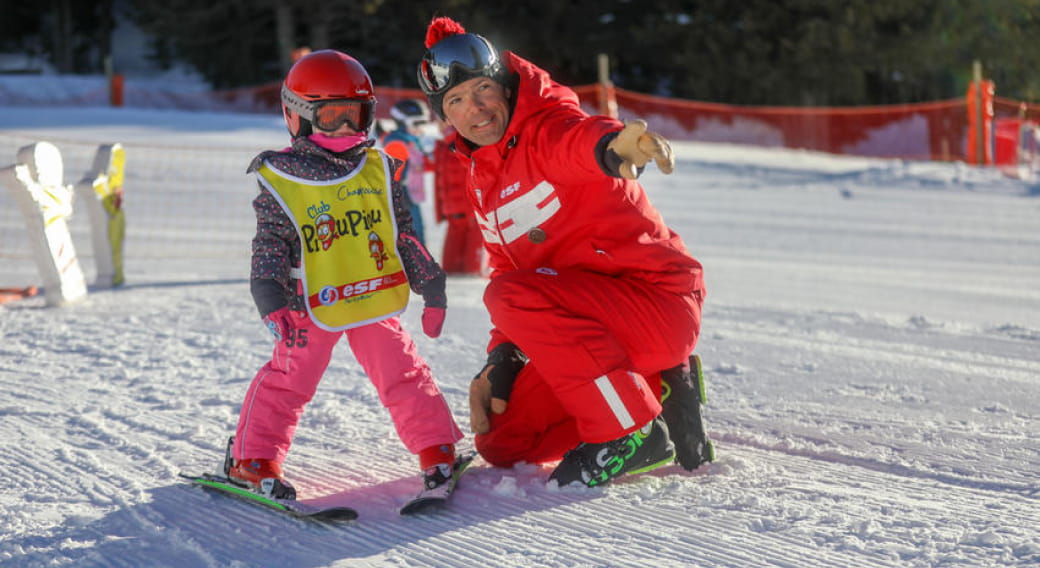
1010,108
919,131
923,131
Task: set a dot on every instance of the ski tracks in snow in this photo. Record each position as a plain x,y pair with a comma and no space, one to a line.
868,443
910,441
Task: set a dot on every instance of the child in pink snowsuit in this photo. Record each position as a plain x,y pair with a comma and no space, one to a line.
335,254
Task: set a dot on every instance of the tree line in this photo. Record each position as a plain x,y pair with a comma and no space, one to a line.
754,52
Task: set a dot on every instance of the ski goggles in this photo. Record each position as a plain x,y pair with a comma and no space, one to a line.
455,59
328,115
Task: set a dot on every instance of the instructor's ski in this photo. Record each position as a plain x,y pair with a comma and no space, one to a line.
298,509
430,498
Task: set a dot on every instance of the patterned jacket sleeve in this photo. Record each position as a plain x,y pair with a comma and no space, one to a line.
273,255
419,265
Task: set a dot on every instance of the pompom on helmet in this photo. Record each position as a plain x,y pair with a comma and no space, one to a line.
452,57
326,89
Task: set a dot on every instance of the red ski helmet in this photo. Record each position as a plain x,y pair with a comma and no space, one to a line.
326,89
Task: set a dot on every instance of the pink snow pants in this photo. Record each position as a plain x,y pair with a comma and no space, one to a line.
275,399
596,346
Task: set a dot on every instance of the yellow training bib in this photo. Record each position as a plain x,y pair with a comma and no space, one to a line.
352,272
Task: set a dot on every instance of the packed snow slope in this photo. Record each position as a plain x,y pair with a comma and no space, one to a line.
871,339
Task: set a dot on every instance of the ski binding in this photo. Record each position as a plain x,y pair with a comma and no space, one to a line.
429,499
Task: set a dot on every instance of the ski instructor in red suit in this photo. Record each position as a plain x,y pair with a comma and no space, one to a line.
595,303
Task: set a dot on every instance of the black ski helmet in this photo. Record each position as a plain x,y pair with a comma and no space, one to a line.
452,57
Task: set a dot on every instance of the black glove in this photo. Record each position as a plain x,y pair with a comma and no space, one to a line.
490,389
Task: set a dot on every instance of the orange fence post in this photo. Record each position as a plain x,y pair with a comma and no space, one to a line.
115,90
607,101
980,119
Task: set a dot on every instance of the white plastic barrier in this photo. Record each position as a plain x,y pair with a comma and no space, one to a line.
101,193
36,181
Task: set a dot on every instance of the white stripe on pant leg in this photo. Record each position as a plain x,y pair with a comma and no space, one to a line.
614,402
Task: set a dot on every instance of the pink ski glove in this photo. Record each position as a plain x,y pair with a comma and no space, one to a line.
432,321
279,323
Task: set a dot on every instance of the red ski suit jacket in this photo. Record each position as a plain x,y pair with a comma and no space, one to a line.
544,174
449,182
546,206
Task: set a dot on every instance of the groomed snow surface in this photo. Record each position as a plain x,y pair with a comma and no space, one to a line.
871,340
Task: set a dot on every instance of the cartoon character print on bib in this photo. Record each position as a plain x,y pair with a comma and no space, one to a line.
352,272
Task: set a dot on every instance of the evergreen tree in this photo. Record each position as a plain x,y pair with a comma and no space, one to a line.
755,52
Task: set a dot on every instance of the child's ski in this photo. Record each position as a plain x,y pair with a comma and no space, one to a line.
434,497
298,509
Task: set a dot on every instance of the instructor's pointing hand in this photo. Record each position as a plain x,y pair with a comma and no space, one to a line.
636,146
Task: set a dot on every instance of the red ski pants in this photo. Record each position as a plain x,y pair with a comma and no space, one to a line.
463,246
596,346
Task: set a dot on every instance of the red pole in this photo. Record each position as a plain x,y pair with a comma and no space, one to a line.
116,90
